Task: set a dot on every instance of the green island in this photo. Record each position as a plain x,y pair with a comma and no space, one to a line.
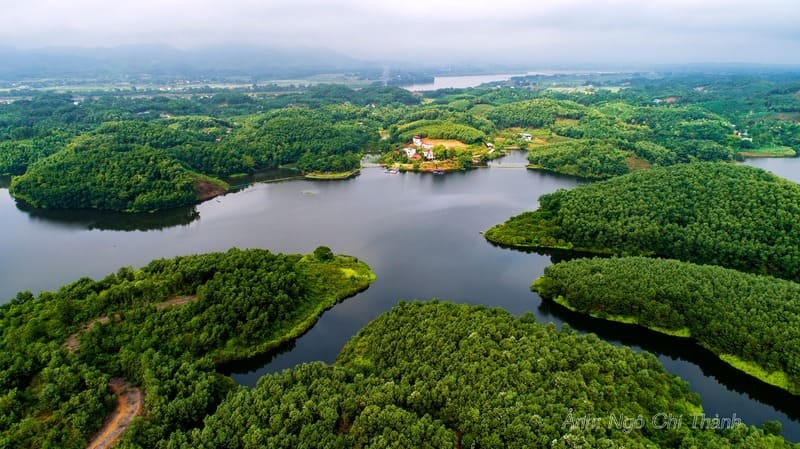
751,322
163,328
438,375
332,175
722,214
150,151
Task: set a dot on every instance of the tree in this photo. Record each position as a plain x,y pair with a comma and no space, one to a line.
323,253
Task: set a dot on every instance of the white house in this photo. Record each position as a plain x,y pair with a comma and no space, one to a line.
428,155
527,137
410,152
417,140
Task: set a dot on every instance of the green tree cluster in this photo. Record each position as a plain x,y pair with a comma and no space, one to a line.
235,305
582,158
433,375
755,318
722,214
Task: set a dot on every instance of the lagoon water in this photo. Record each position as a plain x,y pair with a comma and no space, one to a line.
420,233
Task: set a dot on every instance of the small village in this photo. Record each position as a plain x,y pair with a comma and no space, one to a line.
437,156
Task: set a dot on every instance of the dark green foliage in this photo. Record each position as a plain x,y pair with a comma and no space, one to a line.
712,213
582,158
134,156
756,318
328,128
137,179
442,375
235,305
330,139
323,253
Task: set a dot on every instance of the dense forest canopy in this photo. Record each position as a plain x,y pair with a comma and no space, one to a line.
593,129
164,327
711,213
753,318
438,375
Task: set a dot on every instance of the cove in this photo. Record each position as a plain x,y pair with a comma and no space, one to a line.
420,233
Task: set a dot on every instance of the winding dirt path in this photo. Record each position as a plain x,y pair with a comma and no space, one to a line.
130,399
72,341
176,302
130,404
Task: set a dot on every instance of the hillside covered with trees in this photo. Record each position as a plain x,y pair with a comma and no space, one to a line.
163,327
440,375
709,213
152,151
750,321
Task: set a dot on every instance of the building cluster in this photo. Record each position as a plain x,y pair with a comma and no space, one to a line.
419,150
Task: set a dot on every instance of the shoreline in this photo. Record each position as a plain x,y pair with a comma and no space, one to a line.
776,379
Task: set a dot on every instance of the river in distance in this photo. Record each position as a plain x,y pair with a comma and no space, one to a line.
420,233
466,81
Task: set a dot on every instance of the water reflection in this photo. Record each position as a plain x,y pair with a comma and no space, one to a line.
673,350
420,234
92,219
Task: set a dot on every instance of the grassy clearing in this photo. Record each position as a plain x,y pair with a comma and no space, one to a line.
636,163
776,378
770,151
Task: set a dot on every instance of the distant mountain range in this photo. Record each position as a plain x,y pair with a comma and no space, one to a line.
164,61
62,65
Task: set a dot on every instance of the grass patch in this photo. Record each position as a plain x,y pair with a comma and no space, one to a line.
636,163
332,175
533,230
776,378
770,151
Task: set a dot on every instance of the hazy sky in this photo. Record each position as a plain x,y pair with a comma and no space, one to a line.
648,31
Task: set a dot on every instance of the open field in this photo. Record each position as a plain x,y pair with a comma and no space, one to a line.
447,143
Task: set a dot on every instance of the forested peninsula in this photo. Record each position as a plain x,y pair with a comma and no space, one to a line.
708,213
440,375
751,322
164,328
144,151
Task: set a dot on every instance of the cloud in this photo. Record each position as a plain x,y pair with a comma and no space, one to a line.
563,30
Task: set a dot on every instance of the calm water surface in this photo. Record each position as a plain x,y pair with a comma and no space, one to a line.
419,233
789,168
458,82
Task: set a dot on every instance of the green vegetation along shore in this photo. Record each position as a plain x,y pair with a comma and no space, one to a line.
440,375
709,213
139,153
163,327
333,176
749,321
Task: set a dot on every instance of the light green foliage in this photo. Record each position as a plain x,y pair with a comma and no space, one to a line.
753,318
536,113
438,129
